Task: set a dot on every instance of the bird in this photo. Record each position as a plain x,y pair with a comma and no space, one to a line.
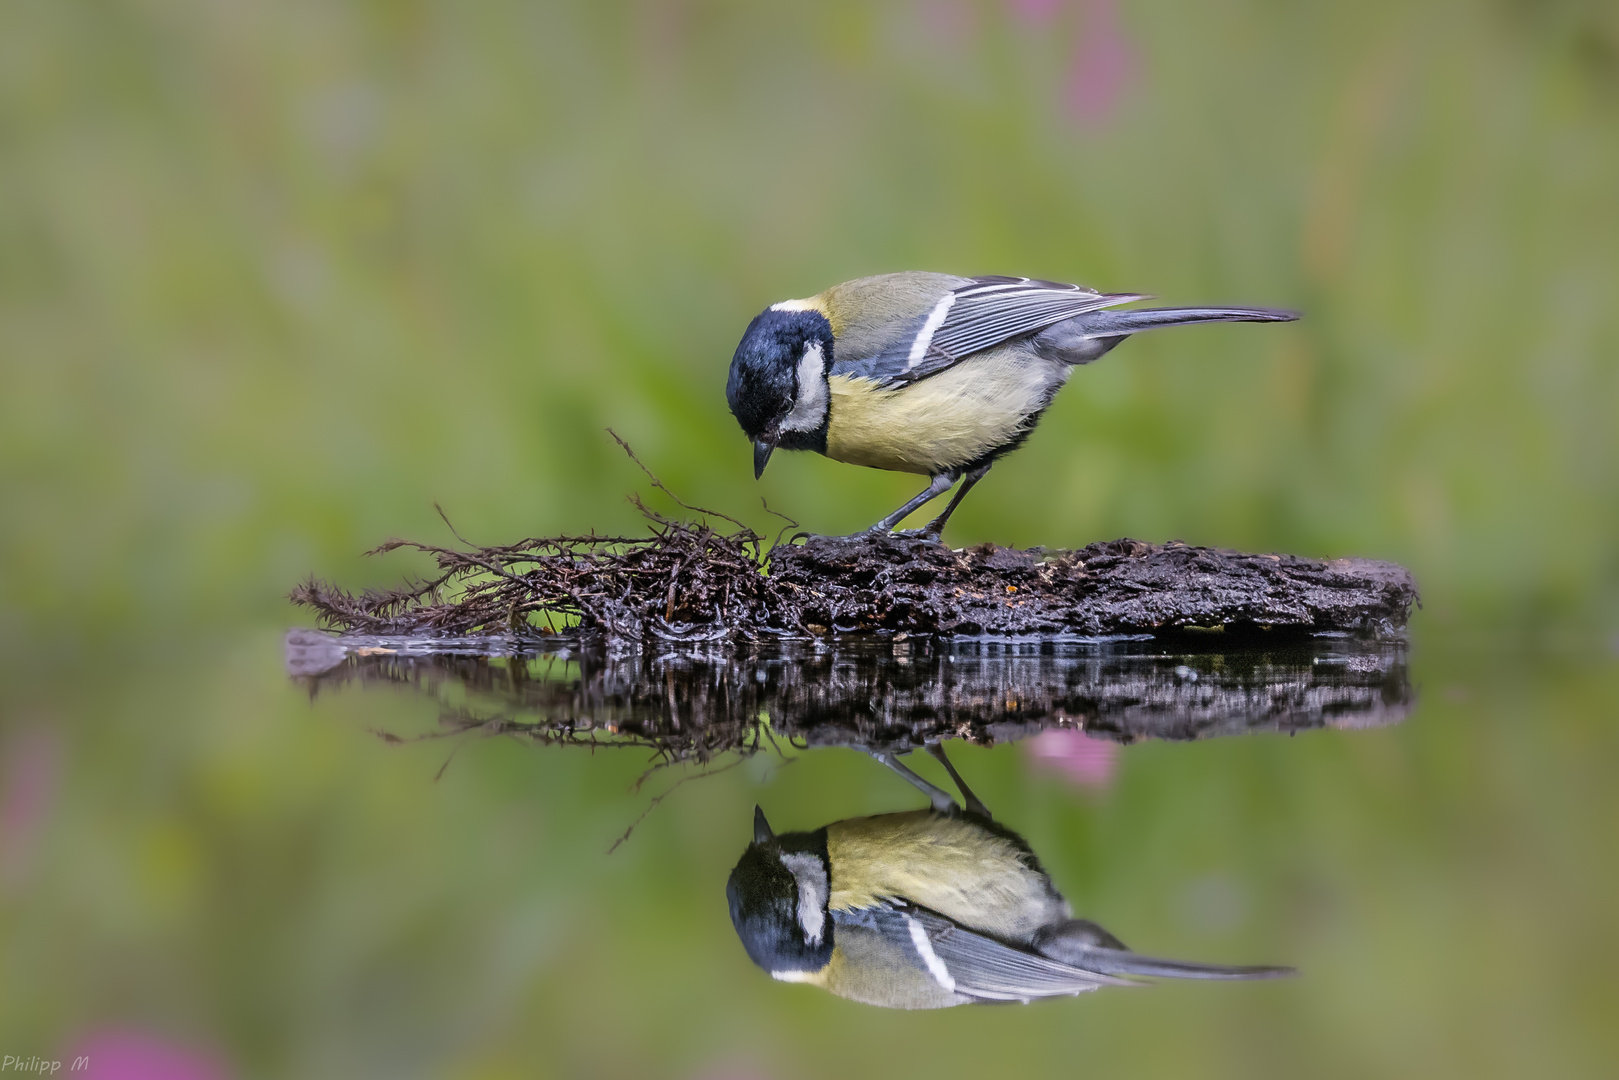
927,909
928,373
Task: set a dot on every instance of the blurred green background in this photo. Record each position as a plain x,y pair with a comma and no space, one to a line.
276,276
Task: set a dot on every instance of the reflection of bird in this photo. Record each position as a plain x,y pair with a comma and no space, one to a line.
927,373
926,909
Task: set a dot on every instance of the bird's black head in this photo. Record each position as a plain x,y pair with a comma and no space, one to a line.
777,388
780,901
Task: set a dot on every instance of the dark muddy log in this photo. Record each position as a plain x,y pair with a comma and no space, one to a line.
690,582
1120,587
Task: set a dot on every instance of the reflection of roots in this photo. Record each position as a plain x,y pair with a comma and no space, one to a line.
562,713
690,582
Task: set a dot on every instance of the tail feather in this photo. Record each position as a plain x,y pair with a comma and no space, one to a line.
1117,962
1091,335
1083,944
1110,323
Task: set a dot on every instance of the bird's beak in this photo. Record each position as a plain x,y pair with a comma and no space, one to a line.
761,456
762,833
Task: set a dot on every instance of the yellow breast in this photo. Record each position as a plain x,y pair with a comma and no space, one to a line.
943,422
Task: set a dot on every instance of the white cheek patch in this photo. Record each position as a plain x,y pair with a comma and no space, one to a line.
794,976
812,894
794,305
924,336
809,408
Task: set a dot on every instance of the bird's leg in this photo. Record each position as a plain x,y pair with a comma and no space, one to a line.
942,802
935,528
939,485
973,804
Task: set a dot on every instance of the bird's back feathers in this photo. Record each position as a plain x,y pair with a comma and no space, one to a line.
899,329
975,875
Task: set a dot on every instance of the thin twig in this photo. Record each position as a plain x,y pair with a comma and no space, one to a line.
446,519
656,799
659,485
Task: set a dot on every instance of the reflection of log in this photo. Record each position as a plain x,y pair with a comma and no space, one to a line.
1122,587
995,693
699,701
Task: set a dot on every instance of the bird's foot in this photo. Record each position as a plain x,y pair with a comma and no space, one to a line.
863,536
925,533
873,533
880,531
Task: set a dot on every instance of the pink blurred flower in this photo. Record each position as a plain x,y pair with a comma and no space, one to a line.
29,776
1103,64
1076,756
122,1054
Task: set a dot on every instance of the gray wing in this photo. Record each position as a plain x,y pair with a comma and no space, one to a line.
883,969
984,313
970,964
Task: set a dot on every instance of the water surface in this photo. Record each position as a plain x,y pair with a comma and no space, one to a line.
396,864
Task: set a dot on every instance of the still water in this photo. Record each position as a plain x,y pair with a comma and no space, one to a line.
289,856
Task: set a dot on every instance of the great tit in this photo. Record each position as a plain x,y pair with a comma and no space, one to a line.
928,373
926,909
